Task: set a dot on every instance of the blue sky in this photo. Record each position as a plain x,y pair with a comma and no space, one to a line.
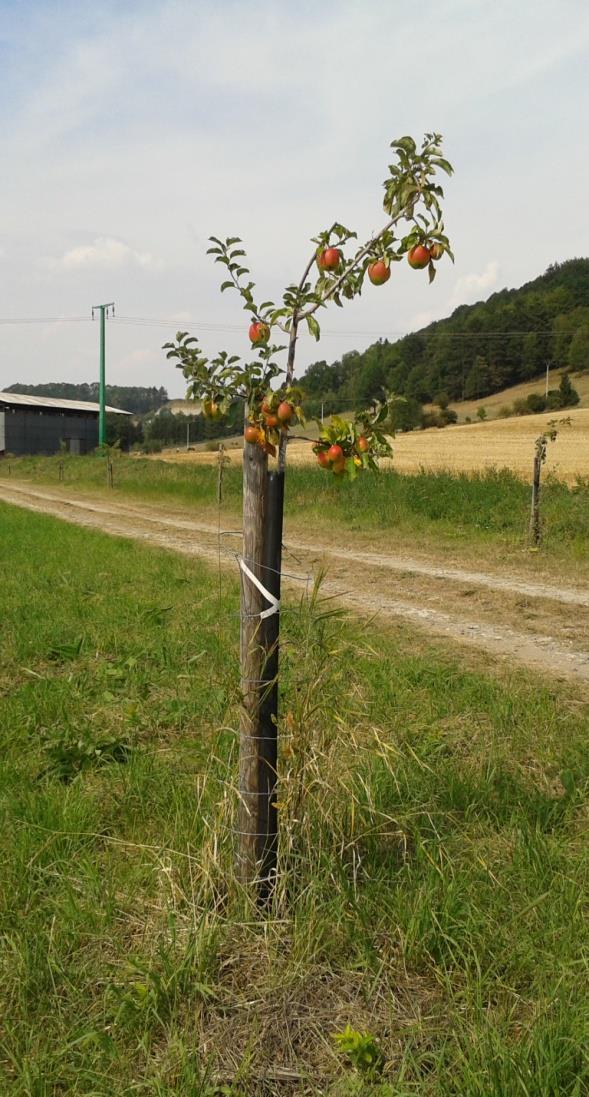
133,131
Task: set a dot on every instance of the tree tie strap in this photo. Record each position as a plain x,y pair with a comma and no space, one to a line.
274,606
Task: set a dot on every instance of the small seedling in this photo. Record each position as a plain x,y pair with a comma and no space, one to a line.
362,1051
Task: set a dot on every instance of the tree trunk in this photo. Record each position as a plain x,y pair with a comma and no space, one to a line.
535,528
250,843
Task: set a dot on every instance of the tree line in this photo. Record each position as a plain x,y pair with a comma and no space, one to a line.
138,399
478,350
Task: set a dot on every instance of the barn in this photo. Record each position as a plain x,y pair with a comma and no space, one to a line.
40,424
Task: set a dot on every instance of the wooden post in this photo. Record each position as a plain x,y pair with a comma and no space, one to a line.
535,526
268,762
109,473
60,470
251,838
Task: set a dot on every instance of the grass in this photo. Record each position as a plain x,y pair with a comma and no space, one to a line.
518,392
490,507
432,892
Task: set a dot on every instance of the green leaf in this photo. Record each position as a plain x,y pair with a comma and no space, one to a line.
351,469
405,143
227,285
445,165
313,327
431,270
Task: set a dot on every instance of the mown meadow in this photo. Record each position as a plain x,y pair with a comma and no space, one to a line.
434,867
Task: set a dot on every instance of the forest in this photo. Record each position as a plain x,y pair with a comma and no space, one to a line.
478,350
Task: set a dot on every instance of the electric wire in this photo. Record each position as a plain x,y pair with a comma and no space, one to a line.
200,325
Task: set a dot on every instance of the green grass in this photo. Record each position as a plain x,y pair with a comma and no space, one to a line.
434,879
491,507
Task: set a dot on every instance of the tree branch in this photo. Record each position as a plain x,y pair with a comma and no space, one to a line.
357,259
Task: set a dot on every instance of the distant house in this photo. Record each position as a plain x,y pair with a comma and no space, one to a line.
40,424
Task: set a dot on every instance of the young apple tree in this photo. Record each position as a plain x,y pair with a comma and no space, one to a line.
335,272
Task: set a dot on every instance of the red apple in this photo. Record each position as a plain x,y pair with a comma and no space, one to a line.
419,257
329,259
252,434
379,272
323,459
363,444
259,333
285,412
436,251
335,453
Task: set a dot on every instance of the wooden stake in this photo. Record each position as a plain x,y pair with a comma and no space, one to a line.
251,838
535,532
268,762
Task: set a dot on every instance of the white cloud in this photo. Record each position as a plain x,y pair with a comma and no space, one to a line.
270,125
473,287
104,253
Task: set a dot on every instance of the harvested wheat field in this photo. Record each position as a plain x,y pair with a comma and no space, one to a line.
501,443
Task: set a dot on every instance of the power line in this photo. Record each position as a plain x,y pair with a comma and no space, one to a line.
200,325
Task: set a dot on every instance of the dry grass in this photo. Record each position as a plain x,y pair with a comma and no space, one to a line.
498,400
500,443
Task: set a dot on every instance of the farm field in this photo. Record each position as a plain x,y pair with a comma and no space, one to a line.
507,396
435,892
468,447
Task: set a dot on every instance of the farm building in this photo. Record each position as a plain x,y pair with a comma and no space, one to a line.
40,424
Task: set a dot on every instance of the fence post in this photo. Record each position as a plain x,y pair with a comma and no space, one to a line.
109,473
268,762
535,532
250,844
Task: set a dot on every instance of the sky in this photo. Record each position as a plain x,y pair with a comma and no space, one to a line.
132,131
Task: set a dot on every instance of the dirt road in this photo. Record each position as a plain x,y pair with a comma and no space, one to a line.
536,624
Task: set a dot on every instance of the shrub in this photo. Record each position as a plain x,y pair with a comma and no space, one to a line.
569,397
505,411
482,413
536,403
554,400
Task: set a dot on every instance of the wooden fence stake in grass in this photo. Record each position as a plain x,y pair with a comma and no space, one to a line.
251,838
535,522
541,449
109,473
60,471
268,759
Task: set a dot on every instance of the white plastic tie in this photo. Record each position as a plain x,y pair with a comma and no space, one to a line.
274,606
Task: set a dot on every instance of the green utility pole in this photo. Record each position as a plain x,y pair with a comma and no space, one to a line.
104,310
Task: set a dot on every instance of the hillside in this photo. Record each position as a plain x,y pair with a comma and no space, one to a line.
497,400
479,350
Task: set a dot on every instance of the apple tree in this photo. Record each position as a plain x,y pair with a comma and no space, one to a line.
336,271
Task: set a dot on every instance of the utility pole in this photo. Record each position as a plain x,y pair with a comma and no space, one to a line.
104,310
